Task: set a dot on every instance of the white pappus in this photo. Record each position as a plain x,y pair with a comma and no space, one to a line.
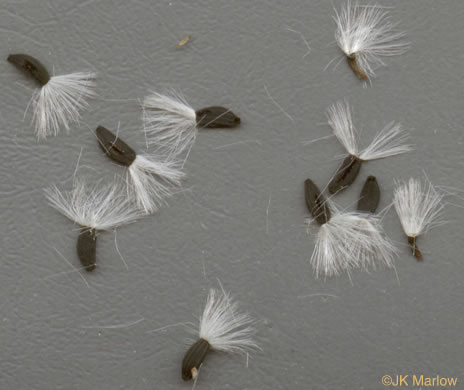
351,240
60,99
346,240
365,34
153,181
419,207
390,141
222,328
169,122
102,207
172,124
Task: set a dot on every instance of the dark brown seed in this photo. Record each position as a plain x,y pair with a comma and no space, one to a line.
353,63
415,250
370,195
193,359
87,248
31,66
316,202
346,174
114,147
215,117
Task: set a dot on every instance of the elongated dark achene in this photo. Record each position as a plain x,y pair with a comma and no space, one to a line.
353,63
346,174
193,359
216,117
370,196
415,250
31,66
87,248
114,147
316,203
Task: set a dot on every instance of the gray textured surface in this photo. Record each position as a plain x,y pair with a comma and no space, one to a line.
242,219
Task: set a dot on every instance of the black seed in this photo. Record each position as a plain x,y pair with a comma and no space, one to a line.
214,117
370,195
87,248
415,250
346,174
114,147
353,63
316,202
193,359
31,66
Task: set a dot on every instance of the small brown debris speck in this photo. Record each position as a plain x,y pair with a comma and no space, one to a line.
184,41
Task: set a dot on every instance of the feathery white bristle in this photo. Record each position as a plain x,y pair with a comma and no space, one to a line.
339,117
153,181
103,207
169,122
367,32
223,326
390,141
351,240
419,206
59,102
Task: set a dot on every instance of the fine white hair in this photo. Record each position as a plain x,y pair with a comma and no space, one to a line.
102,207
351,240
152,181
169,122
367,32
59,102
418,205
390,141
223,326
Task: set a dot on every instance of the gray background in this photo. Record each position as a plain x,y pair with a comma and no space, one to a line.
240,218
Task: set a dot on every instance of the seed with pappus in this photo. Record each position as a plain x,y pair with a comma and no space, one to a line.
170,123
390,141
59,100
103,207
370,196
345,240
365,34
150,179
222,328
419,208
